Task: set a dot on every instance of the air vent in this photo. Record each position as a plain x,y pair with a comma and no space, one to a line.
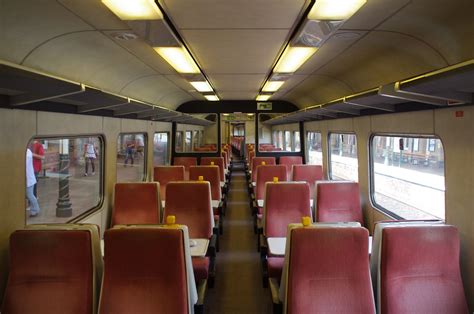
315,33
125,36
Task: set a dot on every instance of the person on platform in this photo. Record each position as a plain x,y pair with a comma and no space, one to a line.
38,157
90,155
30,183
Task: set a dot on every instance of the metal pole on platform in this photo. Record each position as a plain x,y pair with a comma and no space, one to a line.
64,205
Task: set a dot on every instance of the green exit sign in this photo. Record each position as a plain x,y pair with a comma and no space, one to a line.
264,106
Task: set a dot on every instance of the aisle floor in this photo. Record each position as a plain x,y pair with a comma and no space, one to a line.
238,285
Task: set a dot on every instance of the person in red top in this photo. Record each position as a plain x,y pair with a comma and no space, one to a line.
38,157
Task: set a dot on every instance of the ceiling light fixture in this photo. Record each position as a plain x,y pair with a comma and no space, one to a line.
293,58
335,9
212,97
263,97
179,58
272,86
202,86
134,9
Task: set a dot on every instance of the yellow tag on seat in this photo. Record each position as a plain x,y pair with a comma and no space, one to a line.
170,219
275,179
306,221
263,163
201,178
212,163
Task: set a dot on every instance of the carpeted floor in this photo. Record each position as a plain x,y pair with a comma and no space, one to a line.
238,285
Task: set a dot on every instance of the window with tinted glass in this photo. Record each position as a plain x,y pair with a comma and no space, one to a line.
343,164
188,141
408,176
131,161
315,150
296,141
68,175
160,149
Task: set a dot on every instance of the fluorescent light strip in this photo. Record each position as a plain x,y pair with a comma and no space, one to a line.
272,86
178,58
293,58
134,9
202,86
335,10
263,97
212,97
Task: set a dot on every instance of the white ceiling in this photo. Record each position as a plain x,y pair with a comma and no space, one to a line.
236,44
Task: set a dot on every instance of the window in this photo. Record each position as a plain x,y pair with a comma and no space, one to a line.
280,139
288,141
196,142
179,141
408,182
431,145
160,149
68,176
275,138
315,151
188,141
343,157
131,153
296,140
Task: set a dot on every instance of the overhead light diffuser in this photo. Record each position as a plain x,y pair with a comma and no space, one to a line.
212,97
334,9
178,58
263,97
202,86
134,9
272,86
293,58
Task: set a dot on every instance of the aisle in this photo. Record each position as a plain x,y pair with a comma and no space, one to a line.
238,285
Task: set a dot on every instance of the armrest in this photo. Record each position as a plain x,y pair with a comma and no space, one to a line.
211,250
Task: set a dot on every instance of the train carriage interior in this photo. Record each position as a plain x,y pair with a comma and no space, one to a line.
289,156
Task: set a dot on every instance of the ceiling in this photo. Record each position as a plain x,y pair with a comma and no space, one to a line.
236,44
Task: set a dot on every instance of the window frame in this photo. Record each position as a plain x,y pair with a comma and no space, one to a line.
371,178
168,151
145,153
101,159
329,152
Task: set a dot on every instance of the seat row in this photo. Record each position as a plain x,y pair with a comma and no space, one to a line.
413,268
59,269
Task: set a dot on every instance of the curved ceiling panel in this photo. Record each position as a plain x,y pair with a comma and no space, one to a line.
157,90
41,20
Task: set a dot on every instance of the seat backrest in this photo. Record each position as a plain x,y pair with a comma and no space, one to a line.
191,203
266,174
136,203
289,161
419,270
257,161
165,174
147,271
250,156
51,271
218,161
338,201
210,174
186,162
310,174
327,271
285,203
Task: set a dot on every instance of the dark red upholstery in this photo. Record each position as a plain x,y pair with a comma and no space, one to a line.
420,272
144,271
289,161
285,203
338,202
266,174
51,271
275,266
136,203
186,162
310,174
190,202
257,161
251,155
210,174
165,174
218,161
225,155
329,271
201,268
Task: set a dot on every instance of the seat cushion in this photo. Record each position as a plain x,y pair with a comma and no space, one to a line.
200,267
275,267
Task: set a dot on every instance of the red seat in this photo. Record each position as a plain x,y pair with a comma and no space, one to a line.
275,267
136,203
146,271
266,174
210,174
327,271
258,161
51,271
165,174
217,161
201,268
289,161
338,201
186,162
419,269
310,174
